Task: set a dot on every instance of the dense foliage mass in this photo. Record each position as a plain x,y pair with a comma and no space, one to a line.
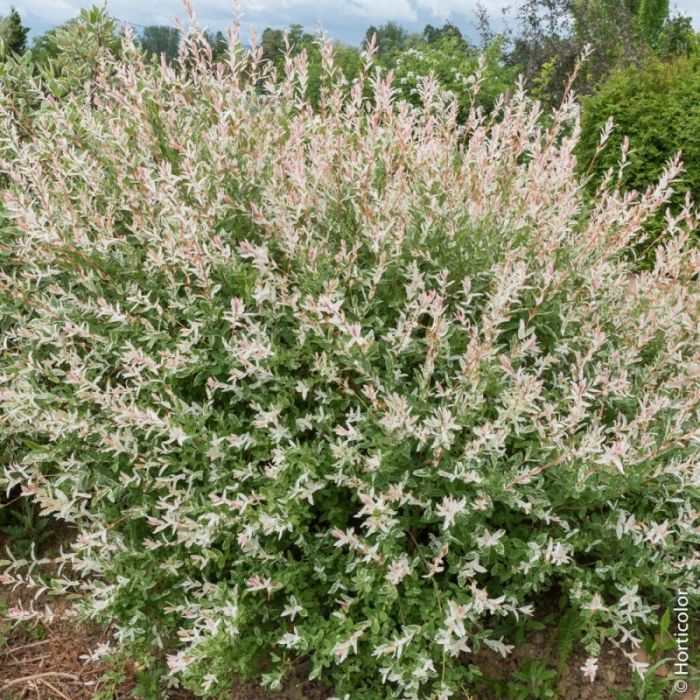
356,384
657,109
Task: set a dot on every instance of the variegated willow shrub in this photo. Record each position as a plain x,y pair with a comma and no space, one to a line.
356,385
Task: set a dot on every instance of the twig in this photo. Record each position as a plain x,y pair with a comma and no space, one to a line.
9,503
55,690
39,676
14,650
27,661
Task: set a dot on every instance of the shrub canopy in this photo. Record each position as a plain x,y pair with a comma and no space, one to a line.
656,107
356,384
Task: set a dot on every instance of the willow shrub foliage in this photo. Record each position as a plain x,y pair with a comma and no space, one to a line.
356,385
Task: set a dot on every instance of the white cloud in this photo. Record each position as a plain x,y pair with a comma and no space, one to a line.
51,11
337,10
343,19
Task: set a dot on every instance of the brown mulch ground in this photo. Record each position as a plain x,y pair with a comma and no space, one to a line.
43,662
613,668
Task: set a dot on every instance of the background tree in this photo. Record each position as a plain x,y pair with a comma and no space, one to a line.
13,33
677,37
453,61
391,38
44,47
157,40
273,45
552,34
448,30
658,109
651,15
218,43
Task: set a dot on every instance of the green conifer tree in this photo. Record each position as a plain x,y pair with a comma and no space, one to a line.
13,33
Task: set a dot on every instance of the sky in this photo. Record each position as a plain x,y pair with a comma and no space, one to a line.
345,20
